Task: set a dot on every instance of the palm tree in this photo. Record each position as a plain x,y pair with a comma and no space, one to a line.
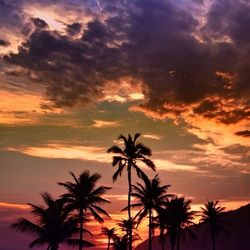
161,221
150,197
128,157
83,196
211,214
179,216
129,225
54,224
120,242
110,233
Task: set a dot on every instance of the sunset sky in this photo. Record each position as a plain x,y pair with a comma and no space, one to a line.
76,74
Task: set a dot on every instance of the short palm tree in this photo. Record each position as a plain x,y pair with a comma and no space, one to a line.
161,221
128,157
120,242
54,224
211,215
110,233
83,196
129,225
179,216
150,197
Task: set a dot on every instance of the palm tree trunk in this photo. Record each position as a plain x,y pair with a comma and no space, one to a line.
162,241
129,209
172,239
149,230
54,247
178,240
81,229
108,243
213,240
172,245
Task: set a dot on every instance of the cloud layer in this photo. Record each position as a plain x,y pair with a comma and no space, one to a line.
187,62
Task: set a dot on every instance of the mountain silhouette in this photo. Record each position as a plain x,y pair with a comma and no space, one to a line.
237,223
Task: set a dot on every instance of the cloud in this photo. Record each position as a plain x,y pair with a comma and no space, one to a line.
3,43
7,205
153,136
28,110
244,133
101,123
157,43
61,151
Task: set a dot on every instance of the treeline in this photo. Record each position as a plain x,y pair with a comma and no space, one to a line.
62,220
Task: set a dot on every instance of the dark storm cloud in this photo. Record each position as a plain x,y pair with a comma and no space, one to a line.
74,29
10,13
3,42
152,42
244,133
39,23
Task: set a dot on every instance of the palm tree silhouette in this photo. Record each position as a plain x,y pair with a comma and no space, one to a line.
179,216
54,224
128,157
120,242
150,197
211,214
110,233
83,196
126,225
161,221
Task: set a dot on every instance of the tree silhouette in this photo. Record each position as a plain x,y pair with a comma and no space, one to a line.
128,157
83,196
126,225
120,242
211,215
110,233
161,221
150,197
179,216
54,224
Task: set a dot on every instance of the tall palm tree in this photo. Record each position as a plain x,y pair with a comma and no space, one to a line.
54,224
180,216
211,214
150,197
128,157
82,196
110,233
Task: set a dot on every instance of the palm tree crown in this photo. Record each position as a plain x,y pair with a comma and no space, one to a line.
110,233
83,196
179,216
211,214
150,197
54,224
128,157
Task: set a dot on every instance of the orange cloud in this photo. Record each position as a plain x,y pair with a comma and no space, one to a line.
153,136
21,108
13,205
86,153
101,123
126,90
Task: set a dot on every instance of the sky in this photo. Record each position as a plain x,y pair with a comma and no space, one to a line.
76,74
